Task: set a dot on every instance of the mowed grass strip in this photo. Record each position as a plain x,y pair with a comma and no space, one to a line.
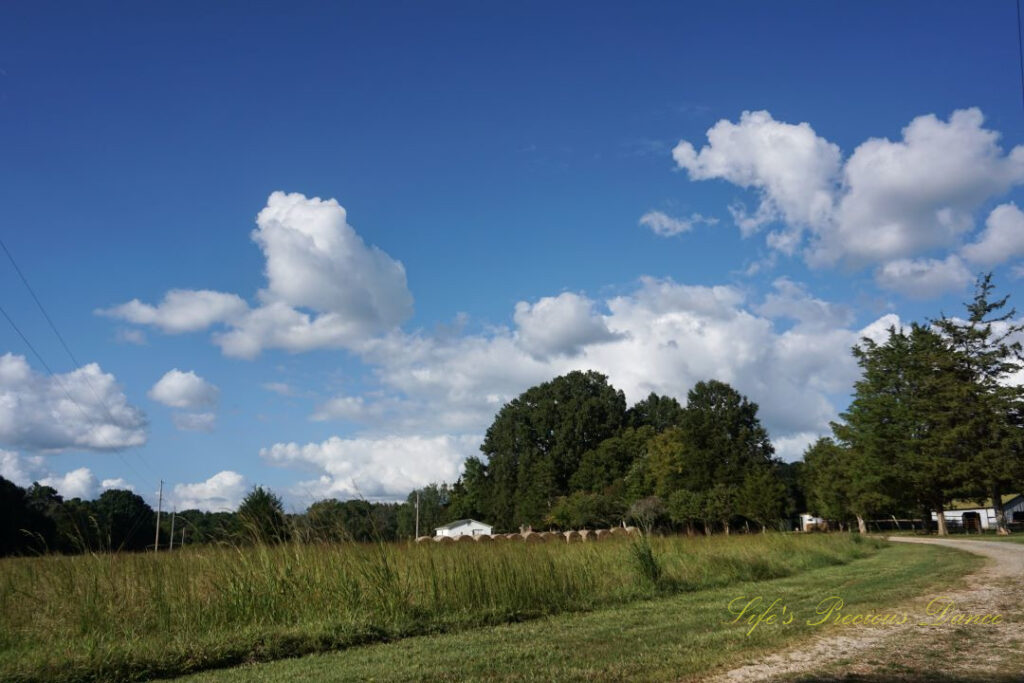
683,637
134,616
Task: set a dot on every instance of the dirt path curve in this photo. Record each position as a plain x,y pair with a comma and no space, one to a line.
913,650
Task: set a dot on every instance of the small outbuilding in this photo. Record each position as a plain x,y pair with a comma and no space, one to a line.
972,516
463,527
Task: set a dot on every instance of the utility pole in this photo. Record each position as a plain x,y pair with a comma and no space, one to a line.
417,514
159,504
174,513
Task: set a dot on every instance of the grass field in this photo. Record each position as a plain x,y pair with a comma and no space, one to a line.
133,616
680,637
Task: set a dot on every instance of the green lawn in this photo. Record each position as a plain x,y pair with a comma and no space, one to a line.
669,638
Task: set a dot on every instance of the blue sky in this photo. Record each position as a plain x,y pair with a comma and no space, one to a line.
494,164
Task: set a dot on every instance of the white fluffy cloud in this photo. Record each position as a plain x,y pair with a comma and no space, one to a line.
316,260
924,278
793,169
668,226
326,288
889,201
116,483
78,483
560,325
182,310
1002,239
668,337
179,389
82,409
384,468
220,493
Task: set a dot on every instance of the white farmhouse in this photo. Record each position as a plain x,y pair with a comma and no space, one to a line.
463,527
974,517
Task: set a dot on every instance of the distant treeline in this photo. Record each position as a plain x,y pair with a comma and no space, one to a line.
37,520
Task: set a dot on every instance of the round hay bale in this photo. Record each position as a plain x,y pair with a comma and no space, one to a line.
601,534
513,537
632,531
550,536
424,539
586,535
532,537
617,531
444,539
573,537
483,538
465,539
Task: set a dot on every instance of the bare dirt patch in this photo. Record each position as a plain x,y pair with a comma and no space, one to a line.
911,652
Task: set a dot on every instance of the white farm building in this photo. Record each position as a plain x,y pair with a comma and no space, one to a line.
463,527
972,516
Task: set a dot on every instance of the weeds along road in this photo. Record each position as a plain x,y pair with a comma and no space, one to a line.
947,652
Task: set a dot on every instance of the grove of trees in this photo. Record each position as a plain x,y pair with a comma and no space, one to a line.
936,416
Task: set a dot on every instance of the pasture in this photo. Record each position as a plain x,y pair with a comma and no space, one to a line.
137,616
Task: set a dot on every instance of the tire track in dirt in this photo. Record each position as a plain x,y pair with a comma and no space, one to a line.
998,587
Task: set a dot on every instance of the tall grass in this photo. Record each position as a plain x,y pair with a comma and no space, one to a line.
133,616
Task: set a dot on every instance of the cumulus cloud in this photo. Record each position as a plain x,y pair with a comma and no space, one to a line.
560,325
15,468
222,492
326,288
179,389
1002,239
924,278
316,260
182,310
667,226
670,336
889,201
384,468
78,483
81,409
793,169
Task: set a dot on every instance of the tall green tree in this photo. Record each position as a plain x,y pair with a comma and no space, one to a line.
261,517
657,412
537,441
827,475
723,435
898,425
986,428
125,520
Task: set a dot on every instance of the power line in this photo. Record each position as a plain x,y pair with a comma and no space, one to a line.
38,303
1020,55
144,480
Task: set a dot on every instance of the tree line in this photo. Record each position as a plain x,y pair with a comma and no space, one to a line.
937,415
37,520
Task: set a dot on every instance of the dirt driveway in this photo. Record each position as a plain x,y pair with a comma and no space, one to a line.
955,654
